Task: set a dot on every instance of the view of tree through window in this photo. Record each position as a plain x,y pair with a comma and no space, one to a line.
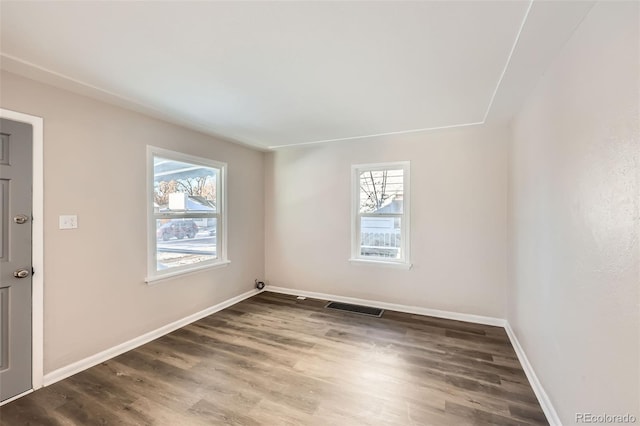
201,186
380,187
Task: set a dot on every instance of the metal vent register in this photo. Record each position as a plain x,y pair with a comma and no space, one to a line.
356,309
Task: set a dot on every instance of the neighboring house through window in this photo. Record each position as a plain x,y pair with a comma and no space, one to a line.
380,214
186,215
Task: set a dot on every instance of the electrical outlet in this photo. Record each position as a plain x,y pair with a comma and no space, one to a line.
68,221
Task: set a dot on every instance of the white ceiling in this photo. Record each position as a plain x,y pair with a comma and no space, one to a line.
272,74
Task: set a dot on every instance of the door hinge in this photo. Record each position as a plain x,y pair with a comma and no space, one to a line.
32,271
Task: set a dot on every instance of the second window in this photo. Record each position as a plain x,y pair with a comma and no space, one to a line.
381,212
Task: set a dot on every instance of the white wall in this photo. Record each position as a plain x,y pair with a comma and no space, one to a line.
574,228
458,216
95,167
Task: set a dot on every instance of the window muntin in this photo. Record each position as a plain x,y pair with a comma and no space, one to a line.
186,230
380,222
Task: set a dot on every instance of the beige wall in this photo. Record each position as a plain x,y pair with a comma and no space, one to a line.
574,194
458,216
95,162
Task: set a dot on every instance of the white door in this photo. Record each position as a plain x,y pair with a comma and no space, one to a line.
15,257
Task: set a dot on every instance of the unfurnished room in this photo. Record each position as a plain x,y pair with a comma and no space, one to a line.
319,212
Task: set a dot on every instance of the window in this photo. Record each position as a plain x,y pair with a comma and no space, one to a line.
186,204
380,214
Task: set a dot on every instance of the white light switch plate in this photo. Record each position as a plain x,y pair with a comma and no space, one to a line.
68,221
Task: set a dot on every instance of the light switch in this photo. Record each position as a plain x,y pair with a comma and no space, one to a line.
68,221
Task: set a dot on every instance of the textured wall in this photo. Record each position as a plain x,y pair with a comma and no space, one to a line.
95,167
458,217
574,194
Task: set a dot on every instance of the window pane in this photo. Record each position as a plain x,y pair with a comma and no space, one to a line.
181,242
381,191
380,237
180,186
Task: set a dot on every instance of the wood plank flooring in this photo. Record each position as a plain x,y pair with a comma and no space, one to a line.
276,360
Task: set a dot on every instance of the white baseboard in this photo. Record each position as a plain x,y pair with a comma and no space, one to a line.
20,395
83,364
478,319
543,398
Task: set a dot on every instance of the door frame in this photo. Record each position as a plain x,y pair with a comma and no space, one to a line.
37,248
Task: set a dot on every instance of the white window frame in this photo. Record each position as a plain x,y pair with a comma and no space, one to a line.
153,274
404,261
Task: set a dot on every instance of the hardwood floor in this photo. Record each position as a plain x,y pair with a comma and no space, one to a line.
276,360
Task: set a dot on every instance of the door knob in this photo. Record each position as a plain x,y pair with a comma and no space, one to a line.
21,273
20,219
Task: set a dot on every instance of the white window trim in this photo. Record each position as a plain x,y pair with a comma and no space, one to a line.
221,236
356,258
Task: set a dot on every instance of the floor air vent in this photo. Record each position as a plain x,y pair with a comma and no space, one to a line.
356,309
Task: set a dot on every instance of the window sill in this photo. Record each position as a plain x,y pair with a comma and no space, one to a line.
156,278
397,265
